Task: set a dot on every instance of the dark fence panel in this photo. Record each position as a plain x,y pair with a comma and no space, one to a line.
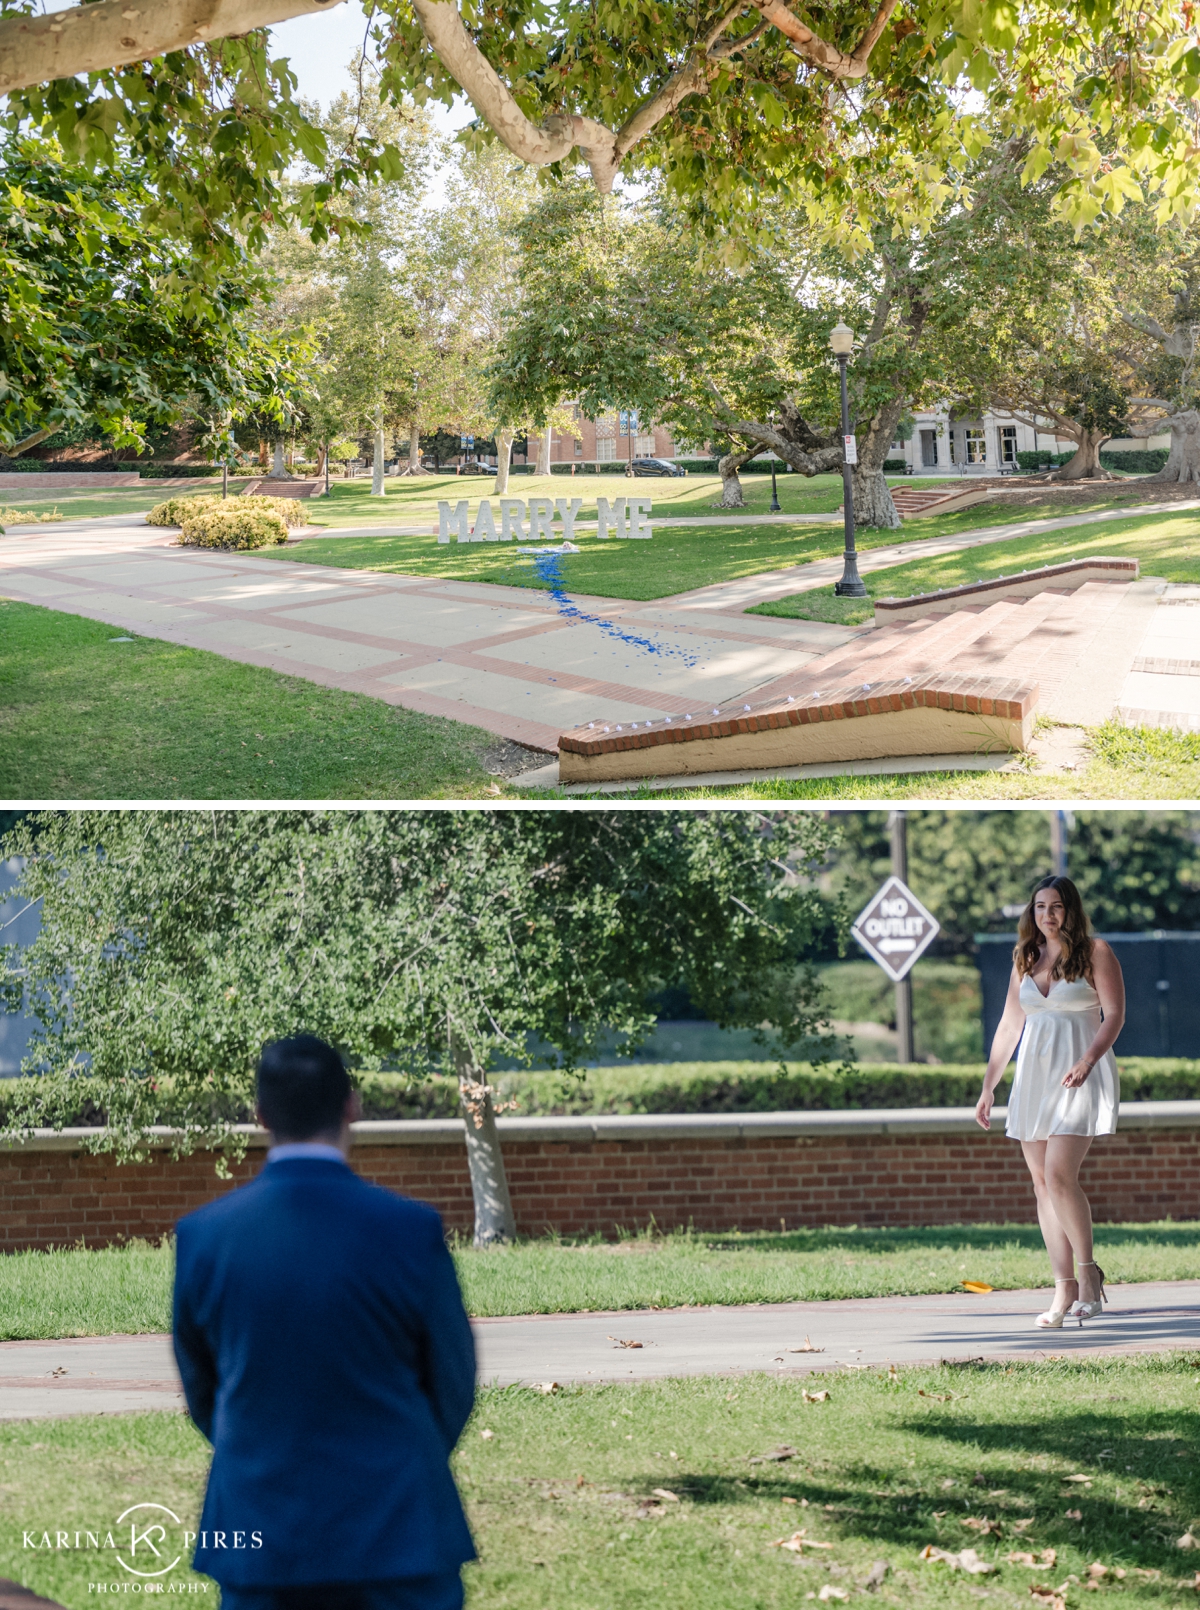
1162,990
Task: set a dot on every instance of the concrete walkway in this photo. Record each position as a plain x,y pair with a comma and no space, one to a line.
521,663
110,1374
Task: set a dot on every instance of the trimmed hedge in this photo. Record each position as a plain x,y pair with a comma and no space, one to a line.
717,1087
1041,459
234,528
895,466
1145,461
186,509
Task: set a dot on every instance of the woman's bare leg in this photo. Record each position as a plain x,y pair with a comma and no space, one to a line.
1064,1158
1058,1242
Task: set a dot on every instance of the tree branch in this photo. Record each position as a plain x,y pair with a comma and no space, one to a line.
818,51
602,150
113,33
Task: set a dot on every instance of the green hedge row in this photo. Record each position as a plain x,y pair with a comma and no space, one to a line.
1148,461
719,1087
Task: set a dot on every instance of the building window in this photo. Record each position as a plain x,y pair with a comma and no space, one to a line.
606,450
1008,444
953,449
976,445
578,449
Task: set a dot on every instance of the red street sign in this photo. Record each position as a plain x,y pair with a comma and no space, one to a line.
894,928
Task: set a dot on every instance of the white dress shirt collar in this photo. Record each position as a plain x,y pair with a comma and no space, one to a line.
305,1148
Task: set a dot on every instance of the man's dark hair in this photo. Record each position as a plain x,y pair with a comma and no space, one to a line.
302,1087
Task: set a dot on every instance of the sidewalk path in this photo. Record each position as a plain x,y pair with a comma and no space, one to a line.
521,663
108,1374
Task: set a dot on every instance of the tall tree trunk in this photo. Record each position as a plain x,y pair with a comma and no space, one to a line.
322,455
731,485
1086,466
414,451
873,504
495,1225
542,467
264,454
504,447
378,490
1183,462
279,470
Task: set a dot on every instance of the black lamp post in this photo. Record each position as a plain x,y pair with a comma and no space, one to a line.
774,489
841,339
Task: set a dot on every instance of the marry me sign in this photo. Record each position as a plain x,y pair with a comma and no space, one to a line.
623,517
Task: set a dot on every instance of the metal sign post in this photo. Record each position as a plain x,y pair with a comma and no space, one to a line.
895,929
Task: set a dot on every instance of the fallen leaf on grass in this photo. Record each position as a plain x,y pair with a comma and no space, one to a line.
665,1492
1050,1598
648,1508
1194,1583
621,1343
1187,1541
977,1286
487,1435
1072,1514
776,1455
1086,1480
967,1560
1024,1524
1035,1562
807,1348
949,1482
1096,1570
797,1543
942,1397
980,1523
815,1397
546,1388
830,1592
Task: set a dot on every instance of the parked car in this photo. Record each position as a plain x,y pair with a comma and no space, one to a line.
656,466
474,466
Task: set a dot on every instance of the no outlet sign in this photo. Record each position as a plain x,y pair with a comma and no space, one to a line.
894,928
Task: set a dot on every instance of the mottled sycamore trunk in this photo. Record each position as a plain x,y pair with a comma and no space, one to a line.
494,1222
378,489
732,496
542,466
873,504
504,447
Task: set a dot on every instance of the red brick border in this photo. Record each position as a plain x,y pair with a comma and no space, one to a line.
59,1197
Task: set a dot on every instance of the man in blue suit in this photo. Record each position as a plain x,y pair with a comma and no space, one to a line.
326,1355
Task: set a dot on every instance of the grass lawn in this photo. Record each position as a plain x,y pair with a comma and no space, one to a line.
617,1497
678,558
100,1292
84,717
1167,545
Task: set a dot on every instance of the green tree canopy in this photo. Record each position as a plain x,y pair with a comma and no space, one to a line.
174,943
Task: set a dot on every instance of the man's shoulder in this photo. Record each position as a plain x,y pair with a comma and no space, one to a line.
358,1197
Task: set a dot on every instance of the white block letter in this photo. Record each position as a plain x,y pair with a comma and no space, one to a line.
639,524
541,512
485,529
567,509
458,518
614,516
512,512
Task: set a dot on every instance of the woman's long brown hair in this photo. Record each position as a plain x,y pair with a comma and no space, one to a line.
1075,935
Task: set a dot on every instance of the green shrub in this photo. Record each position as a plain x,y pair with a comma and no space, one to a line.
1147,461
185,511
234,527
698,466
172,511
688,1087
895,466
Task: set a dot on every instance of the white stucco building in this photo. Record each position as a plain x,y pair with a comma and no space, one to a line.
943,444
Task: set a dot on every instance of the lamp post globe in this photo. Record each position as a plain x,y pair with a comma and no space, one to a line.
841,340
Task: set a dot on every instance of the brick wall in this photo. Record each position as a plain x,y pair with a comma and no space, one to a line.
58,1197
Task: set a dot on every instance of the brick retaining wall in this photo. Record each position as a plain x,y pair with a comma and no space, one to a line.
596,1175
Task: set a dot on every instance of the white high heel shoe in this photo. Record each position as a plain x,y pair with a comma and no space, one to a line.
1080,1310
1053,1318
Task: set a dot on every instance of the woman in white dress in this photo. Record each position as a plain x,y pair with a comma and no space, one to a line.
1066,1005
